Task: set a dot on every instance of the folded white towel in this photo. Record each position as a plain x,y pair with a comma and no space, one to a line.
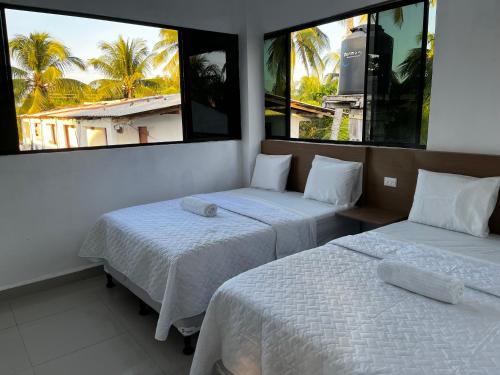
199,206
430,284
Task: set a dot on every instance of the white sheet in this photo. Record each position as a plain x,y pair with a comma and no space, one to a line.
180,258
328,226
487,249
324,311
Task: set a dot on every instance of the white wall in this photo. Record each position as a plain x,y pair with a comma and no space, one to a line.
251,87
49,201
217,15
465,108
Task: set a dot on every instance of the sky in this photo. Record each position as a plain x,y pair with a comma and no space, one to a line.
336,33
80,35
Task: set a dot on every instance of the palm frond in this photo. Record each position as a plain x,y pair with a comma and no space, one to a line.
107,89
308,45
69,87
22,88
19,73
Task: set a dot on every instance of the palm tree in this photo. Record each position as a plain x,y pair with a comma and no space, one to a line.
167,54
125,64
38,78
307,46
332,59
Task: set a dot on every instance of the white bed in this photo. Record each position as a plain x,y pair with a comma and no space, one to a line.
325,311
174,260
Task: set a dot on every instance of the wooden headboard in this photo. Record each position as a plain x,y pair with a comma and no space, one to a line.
380,162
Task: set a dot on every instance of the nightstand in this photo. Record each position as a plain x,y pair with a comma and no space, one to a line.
372,217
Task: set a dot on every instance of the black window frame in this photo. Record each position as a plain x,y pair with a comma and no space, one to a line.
369,10
9,137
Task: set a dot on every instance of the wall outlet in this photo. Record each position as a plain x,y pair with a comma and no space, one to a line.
390,181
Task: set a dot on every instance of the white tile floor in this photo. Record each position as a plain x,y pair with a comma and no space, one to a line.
84,328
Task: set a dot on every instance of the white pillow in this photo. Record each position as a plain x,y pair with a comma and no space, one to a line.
454,202
334,181
271,172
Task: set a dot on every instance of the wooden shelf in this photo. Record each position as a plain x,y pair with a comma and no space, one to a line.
373,215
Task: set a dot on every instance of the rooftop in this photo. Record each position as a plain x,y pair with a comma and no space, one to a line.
115,108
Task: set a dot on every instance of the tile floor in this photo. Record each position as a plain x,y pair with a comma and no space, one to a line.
84,328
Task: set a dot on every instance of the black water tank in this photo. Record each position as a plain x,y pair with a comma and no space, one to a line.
352,62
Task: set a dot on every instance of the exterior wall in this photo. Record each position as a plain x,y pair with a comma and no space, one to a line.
295,125
161,128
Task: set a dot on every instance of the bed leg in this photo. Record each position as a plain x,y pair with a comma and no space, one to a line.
109,284
188,345
144,309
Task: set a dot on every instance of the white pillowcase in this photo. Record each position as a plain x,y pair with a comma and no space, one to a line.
455,202
271,172
334,181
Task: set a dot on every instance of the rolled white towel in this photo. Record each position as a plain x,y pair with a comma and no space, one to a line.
430,284
199,206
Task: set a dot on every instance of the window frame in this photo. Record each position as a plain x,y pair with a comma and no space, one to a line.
9,138
381,7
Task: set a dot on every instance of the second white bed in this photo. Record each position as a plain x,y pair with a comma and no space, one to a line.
325,311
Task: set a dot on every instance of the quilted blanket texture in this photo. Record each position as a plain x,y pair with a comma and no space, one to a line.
180,258
325,311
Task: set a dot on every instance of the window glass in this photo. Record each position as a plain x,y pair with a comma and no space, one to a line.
211,84
89,82
428,72
395,75
327,84
331,94
275,84
208,81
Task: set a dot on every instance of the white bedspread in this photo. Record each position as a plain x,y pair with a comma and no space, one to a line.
325,311
180,258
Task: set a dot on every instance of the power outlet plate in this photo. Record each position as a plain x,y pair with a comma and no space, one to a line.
390,182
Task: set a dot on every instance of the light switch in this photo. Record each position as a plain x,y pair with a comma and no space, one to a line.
390,181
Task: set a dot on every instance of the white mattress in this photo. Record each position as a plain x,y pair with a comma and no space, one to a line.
487,249
328,226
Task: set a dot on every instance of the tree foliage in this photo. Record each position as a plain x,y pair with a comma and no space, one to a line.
166,54
38,78
125,64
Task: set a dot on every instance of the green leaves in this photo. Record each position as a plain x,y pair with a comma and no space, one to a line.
42,62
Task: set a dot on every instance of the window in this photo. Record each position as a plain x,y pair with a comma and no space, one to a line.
76,81
276,73
50,134
211,85
364,78
71,136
